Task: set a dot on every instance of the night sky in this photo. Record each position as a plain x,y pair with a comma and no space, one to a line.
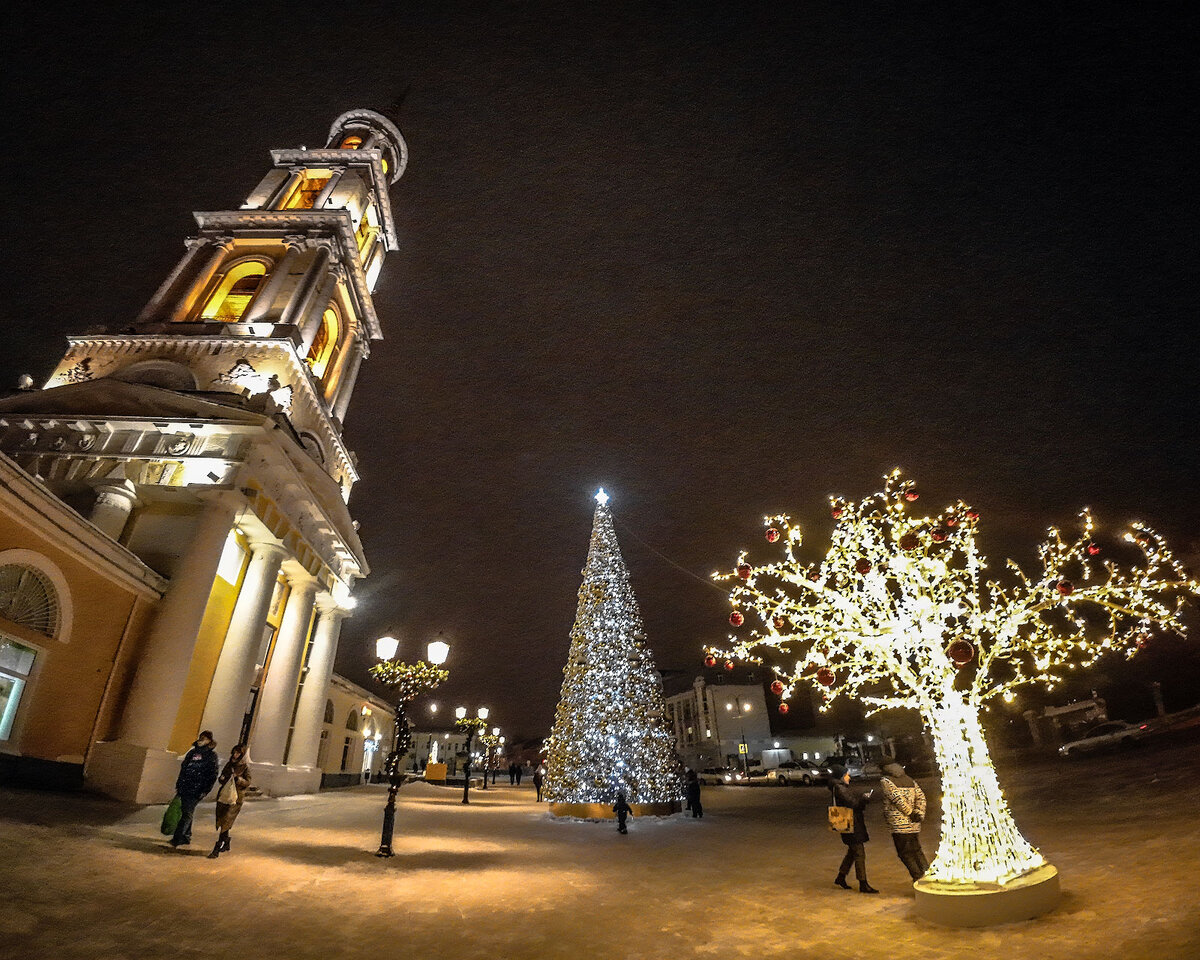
723,260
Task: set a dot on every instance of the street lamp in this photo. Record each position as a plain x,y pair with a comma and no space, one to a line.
470,726
742,708
406,681
489,742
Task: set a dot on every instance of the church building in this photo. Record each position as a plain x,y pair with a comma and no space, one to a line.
176,551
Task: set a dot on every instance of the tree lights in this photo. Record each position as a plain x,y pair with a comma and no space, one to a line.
900,614
609,730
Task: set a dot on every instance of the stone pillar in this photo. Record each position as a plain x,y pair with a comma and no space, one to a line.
230,690
192,285
153,701
175,282
346,388
298,303
277,696
285,188
264,301
115,500
323,196
310,322
310,715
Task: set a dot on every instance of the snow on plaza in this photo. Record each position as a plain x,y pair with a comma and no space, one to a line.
91,878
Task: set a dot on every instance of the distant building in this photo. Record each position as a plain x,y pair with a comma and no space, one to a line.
176,552
356,734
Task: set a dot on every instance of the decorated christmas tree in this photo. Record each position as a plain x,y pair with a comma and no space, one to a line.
900,613
610,733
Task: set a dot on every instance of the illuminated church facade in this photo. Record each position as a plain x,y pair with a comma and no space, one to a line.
176,550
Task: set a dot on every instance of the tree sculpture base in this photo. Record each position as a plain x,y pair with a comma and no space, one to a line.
604,811
988,904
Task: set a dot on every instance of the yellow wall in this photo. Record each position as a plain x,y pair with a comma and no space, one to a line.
59,708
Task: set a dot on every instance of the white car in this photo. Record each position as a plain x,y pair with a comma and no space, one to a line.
1114,733
797,771
715,776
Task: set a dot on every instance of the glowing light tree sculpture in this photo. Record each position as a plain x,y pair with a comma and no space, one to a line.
900,614
610,732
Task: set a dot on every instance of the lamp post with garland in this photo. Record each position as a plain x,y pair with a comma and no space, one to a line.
470,726
406,681
489,742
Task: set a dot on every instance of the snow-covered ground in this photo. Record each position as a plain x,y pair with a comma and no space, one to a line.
83,877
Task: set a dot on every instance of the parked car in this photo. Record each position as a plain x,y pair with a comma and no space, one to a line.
716,776
798,771
1114,733
858,768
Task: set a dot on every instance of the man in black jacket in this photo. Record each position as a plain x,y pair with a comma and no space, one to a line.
197,774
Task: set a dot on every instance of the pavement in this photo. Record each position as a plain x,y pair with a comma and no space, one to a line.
83,877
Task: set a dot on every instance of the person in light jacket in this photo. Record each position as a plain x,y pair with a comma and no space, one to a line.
904,811
856,839
234,779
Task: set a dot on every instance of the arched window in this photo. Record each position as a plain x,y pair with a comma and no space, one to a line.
352,721
324,345
28,597
329,711
352,142
235,291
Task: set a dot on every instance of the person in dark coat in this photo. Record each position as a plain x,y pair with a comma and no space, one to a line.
692,791
520,773
622,810
197,774
539,777
237,769
856,839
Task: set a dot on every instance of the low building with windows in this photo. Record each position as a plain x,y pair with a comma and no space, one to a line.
69,597
356,735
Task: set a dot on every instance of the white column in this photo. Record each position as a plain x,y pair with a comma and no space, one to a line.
346,388
273,715
115,500
264,300
310,715
157,686
306,289
310,322
174,284
230,690
183,301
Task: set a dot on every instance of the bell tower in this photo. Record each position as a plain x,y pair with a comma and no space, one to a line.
206,439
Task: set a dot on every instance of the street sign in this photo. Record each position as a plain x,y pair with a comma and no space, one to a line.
742,748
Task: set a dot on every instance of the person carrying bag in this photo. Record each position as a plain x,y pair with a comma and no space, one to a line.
234,780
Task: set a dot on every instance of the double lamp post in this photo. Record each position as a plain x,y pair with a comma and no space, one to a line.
406,681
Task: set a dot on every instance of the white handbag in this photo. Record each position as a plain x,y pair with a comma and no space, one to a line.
228,792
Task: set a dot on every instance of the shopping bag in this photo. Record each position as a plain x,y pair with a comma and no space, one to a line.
228,792
841,819
171,816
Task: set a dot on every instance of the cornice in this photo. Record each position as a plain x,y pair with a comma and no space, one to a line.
374,162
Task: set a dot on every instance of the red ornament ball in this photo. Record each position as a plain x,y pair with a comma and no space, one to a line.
952,521
911,495
772,535
862,565
939,536
909,541
744,571
836,513
783,708
961,652
778,623
728,664
972,514
1066,587
825,677
777,687
814,575
1093,548
710,661
736,619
